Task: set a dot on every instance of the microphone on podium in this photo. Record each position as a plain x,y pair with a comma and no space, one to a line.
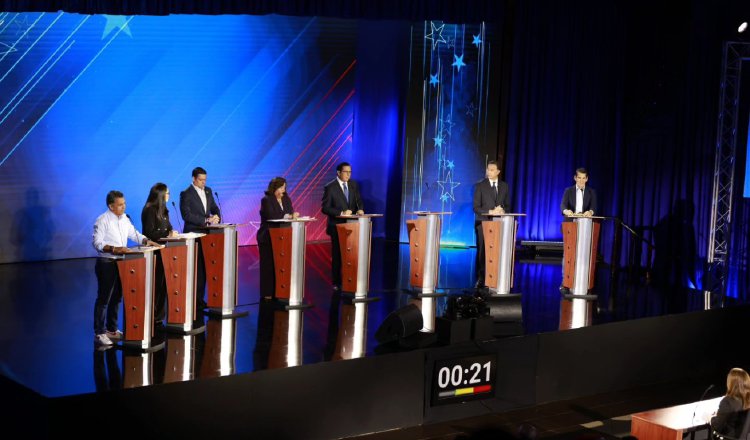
178,218
218,202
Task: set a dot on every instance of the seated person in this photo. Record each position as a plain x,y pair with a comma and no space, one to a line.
730,417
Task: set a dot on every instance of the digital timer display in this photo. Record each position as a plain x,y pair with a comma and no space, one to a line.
463,379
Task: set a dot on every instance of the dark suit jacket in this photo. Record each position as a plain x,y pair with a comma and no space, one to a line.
727,419
334,202
155,227
270,210
569,199
192,210
484,198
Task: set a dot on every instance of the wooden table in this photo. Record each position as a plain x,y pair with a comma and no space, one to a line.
671,423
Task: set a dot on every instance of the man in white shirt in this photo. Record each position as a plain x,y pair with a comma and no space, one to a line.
111,233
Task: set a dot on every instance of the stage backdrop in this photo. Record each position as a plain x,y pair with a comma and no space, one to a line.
451,122
90,103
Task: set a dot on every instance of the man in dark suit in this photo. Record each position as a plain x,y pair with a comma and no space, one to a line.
198,209
491,196
578,199
340,197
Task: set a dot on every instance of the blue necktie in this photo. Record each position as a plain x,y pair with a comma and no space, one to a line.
346,192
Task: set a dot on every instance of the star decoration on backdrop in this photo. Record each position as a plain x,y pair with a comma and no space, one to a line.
477,41
450,42
458,62
471,109
436,35
434,79
5,49
115,22
438,140
450,165
446,187
20,25
447,125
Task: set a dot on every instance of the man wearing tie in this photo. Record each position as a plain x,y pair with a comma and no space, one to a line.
491,196
198,209
340,197
578,199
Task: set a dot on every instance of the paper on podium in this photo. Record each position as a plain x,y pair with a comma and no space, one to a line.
188,235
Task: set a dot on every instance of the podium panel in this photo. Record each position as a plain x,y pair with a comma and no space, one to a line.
580,243
219,247
137,280
288,244
500,251
281,243
180,359
349,242
417,230
355,244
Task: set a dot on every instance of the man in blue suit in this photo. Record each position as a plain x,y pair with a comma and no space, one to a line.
198,209
340,197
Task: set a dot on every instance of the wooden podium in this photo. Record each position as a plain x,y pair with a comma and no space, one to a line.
580,238
500,251
219,247
179,258
355,242
674,422
424,255
136,270
288,239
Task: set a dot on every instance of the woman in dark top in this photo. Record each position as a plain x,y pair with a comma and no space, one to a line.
274,206
727,420
156,225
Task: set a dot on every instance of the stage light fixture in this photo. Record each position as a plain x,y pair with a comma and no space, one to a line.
742,27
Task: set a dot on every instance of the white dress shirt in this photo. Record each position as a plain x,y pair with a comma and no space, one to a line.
579,200
202,195
113,230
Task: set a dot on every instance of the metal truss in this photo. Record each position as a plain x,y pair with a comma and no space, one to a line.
726,143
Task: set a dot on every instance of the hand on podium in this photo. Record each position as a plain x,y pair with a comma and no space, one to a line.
117,250
214,219
360,212
588,213
154,244
174,233
497,210
567,212
347,212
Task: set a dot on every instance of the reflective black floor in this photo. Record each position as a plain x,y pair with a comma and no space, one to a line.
46,336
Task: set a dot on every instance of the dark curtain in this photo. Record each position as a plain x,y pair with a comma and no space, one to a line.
628,90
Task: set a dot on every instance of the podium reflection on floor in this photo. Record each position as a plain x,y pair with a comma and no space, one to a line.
220,348
279,340
351,341
576,312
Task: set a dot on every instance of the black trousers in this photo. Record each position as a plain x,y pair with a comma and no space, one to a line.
200,279
108,296
267,271
335,259
160,290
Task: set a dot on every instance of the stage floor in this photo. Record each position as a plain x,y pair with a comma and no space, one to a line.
46,335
